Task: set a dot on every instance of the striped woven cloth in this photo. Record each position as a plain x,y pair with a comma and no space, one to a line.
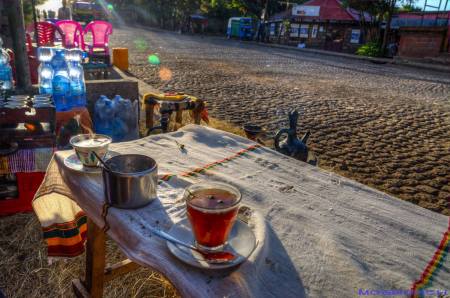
26,161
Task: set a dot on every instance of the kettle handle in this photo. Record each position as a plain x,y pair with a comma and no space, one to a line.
278,136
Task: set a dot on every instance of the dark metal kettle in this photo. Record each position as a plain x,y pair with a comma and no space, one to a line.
292,146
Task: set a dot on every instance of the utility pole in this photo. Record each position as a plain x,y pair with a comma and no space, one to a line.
17,27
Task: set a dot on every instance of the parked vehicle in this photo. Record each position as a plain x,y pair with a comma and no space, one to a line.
100,12
82,11
240,27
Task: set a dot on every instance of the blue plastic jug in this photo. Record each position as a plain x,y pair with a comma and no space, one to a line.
104,112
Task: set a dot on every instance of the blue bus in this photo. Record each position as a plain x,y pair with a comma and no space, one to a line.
240,27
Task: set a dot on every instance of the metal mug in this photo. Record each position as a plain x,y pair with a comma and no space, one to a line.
131,181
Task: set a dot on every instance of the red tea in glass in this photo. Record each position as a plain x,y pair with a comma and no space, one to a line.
212,210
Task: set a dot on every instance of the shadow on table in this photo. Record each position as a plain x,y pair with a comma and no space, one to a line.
272,274
275,269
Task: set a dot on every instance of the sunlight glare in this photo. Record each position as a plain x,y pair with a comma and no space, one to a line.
154,60
165,74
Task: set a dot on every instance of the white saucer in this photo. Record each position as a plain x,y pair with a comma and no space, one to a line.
242,242
73,163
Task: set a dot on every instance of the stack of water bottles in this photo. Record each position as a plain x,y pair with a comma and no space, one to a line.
6,77
116,118
61,76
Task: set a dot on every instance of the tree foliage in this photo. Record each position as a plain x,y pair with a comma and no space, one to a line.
28,10
410,8
176,11
382,10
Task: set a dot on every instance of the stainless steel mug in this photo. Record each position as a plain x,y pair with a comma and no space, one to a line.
131,181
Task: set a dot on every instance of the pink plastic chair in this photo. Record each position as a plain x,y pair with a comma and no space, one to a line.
101,31
73,34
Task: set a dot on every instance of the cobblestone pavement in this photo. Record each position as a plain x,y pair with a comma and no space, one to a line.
386,126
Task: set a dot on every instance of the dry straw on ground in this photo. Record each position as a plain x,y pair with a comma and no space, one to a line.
25,272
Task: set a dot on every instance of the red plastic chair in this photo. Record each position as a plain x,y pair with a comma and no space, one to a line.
46,32
46,37
73,34
100,30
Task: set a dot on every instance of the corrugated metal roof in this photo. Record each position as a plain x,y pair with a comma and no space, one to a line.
331,10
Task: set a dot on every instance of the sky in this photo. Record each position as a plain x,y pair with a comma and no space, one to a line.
421,3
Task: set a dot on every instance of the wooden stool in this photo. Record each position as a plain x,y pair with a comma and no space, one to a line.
171,102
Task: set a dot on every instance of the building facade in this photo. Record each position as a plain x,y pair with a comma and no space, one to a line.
320,24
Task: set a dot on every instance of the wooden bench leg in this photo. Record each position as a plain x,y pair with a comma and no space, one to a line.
120,268
95,264
199,106
95,260
178,119
96,273
149,112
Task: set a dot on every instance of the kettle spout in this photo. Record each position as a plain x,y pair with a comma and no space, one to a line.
306,137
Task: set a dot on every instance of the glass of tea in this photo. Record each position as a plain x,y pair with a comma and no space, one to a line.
212,208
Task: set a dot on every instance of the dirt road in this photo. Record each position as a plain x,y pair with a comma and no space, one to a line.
386,126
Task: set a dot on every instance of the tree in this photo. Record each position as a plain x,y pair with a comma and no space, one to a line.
410,8
374,8
391,5
382,9
28,10
166,13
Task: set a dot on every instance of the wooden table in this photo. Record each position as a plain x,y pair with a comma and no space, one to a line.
320,235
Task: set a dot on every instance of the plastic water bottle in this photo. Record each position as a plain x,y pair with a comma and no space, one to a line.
61,82
76,75
45,70
104,113
6,77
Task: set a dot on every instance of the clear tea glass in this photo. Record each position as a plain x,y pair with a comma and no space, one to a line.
212,209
